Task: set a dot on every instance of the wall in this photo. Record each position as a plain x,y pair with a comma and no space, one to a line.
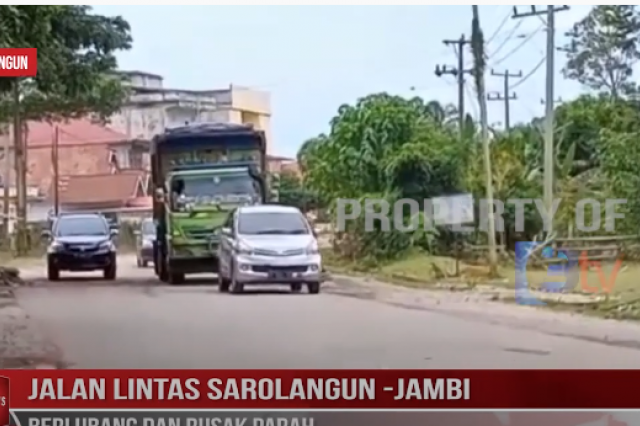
149,112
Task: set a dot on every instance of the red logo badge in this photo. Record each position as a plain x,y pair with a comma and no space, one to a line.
22,62
4,401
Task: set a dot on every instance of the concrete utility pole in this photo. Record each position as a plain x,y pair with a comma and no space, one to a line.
55,163
6,182
486,150
549,101
457,72
505,95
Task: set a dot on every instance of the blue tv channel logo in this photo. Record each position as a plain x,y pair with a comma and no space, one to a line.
566,272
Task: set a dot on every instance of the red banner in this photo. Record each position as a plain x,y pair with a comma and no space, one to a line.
18,62
320,389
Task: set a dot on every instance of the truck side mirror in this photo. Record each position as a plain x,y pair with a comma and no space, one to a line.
159,195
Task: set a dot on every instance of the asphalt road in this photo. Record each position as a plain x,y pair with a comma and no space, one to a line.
137,322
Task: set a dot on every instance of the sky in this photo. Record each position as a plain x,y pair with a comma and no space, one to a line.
312,59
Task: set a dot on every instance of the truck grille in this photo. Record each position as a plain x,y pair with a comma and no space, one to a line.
199,233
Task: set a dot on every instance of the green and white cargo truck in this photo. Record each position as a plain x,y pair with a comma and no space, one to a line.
200,173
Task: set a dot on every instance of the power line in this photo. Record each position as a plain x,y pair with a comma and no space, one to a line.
550,12
530,73
508,38
518,47
497,31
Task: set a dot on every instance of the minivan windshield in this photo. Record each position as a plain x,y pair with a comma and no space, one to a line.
80,226
275,223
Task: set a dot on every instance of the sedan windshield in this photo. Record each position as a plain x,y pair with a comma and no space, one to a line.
77,226
275,223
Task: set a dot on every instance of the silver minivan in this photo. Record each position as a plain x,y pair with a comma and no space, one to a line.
268,244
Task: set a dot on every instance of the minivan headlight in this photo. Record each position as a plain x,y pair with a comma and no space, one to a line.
313,249
244,250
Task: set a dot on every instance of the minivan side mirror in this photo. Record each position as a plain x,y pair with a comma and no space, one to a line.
114,232
226,231
46,234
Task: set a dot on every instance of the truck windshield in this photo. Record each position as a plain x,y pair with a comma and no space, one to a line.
216,188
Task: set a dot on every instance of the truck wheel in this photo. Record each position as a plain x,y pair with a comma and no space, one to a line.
223,284
236,287
161,268
175,278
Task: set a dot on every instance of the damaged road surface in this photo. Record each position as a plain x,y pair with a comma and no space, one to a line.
22,343
136,322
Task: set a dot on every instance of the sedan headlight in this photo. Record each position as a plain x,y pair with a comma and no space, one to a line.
107,245
54,247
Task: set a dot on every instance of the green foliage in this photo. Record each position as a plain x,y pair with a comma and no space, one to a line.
76,61
385,147
294,193
603,49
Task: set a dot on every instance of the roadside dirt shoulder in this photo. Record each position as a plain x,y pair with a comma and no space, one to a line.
22,343
478,307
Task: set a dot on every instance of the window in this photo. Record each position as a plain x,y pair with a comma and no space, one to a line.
81,225
272,223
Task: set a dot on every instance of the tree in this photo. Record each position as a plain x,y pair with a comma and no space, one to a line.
603,48
385,147
76,61
76,74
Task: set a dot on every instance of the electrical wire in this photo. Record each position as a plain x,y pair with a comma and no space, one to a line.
518,47
497,31
509,36
529,74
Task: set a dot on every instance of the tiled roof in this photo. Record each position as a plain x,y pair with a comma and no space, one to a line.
102,188
73,132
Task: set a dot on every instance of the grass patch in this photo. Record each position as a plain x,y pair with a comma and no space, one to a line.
420,270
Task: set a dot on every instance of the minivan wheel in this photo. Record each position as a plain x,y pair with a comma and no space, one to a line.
314,288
